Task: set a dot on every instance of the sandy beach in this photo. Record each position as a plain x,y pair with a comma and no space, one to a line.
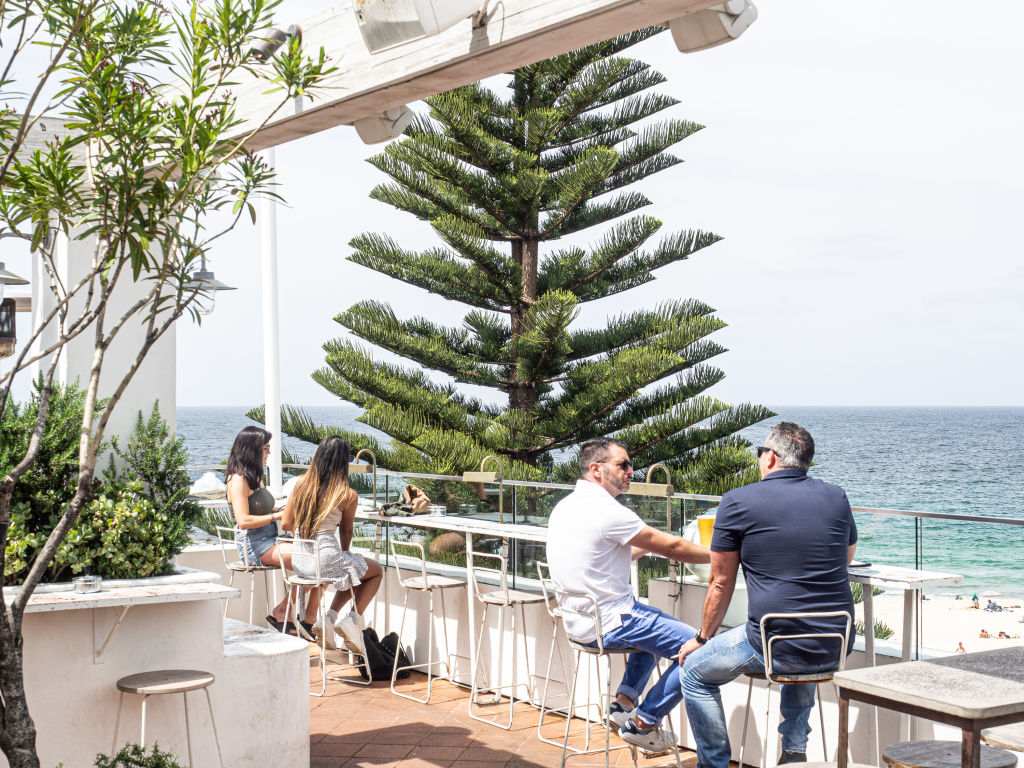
947,621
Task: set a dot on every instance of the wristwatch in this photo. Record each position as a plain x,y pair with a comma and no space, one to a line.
700,638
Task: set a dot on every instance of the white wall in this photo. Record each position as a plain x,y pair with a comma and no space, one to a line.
155,379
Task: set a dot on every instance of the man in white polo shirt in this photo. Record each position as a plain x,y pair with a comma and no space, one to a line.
592,539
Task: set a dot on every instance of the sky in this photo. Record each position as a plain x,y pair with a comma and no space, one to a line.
862,162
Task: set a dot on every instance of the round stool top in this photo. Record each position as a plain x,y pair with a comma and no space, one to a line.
165,681
942,754
1005,736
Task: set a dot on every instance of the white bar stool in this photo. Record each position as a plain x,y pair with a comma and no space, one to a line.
229,537
598,653
429,583
162,681
813,678
501,597
543,575
306,553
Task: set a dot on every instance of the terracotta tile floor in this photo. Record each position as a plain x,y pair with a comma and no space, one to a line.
369,726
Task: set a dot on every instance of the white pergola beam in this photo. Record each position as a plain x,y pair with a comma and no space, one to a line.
516,33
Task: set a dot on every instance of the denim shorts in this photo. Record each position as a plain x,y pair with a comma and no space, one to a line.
257,542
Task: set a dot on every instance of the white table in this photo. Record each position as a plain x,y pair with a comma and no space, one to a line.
467,526
911,582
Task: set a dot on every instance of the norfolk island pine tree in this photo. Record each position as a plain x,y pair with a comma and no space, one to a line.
504,182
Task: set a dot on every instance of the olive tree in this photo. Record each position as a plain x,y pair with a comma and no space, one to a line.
150,148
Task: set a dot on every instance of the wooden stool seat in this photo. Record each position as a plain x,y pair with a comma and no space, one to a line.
801,678
1005,737
244,567
160,682
942,754
165,681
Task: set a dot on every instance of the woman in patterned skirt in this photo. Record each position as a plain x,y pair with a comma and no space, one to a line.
321,504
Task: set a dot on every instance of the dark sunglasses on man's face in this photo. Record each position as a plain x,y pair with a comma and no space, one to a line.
763,449
625,465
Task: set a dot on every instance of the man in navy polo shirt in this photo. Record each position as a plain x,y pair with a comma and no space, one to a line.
794,536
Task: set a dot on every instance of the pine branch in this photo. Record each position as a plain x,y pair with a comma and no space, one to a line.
435,270
443,349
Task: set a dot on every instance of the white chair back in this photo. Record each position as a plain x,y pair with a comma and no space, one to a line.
492,569
416,551
235,538
767,643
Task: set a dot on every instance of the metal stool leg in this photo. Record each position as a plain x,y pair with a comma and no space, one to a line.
746,719
555,648
252,593
188,731
821,720
213,722
142,734
231,583
117,723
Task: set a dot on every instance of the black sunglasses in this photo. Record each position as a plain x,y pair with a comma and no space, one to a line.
624,465
763,449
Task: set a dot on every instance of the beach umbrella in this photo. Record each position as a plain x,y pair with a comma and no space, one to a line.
989,593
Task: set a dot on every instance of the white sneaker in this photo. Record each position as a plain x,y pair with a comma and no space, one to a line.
350,628
324,635
655,741
618,714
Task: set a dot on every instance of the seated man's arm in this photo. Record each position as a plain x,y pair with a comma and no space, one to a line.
673,547
851,552
724,567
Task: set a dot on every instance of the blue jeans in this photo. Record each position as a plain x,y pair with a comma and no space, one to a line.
724,658
649,629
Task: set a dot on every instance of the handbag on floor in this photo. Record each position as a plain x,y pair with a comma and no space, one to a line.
380,656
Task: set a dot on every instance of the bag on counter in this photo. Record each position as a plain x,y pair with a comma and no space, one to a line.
413,502
380,656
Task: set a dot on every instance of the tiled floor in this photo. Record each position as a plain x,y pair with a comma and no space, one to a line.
369,726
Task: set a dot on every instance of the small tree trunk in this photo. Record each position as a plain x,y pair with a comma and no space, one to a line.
17,730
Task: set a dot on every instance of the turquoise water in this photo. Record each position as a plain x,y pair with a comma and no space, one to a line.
945,460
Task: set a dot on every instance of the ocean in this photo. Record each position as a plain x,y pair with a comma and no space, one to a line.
946,460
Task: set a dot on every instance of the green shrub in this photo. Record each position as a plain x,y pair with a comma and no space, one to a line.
857,589
156,457
134,756
43,492
124,536
882,630
139,517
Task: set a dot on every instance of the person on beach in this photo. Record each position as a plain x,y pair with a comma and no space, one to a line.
974,601
324,503
960,647
591,540
795,537
252,506
984,634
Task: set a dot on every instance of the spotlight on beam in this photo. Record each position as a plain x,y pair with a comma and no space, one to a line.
384,125
712,26
267,44
387,23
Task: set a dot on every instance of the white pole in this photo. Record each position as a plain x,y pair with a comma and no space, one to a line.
271,350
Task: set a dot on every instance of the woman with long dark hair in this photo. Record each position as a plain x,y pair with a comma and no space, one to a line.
321,504
252,505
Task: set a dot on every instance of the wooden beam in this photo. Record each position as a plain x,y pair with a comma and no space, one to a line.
516,33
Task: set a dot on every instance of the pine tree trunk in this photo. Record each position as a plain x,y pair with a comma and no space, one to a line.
523,394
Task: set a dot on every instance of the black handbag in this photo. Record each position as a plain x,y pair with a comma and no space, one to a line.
380,656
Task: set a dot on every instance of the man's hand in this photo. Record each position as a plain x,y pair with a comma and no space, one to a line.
673,547
687,648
